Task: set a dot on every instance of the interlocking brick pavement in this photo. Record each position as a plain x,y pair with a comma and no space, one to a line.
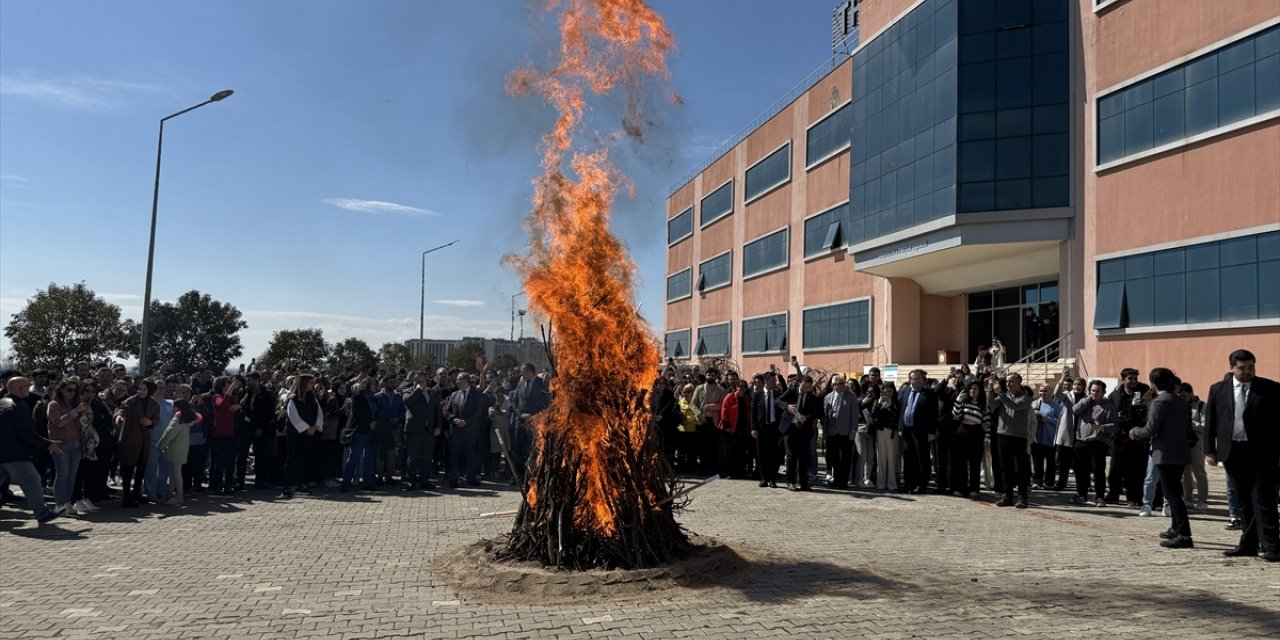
860,565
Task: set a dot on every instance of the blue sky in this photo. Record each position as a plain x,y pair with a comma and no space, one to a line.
360,134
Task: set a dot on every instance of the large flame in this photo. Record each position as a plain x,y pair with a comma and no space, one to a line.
577,274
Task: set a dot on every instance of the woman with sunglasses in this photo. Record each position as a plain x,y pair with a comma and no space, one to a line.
64,413
90,441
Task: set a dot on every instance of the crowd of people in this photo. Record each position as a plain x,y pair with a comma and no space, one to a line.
983,429
97,434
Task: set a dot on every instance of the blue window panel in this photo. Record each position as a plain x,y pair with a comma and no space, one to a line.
1139,298
1266,74
1266,43
1050,155
770,172
923,178
1243,250
979,47
1108,312
978,87
1111,139
1170,81
1201,69
680,285
944,201
1169,305
1269,246
1202,296
1238,286
677,344
1013,194
680,226
1202,107
1235,55
1169,261
717,204
715,272
1138,129
1202,256
829,135
1168,117
1049,38
1049,10
977,161
1138,94
712,340
977,196
1049,76
1111,270
764,334
1111,105
1050,192
978,17
1013,122
1139,266
1013,82
766,253
1236,95
841,325
944,167
1012,13
946,22
1269,289
1013,159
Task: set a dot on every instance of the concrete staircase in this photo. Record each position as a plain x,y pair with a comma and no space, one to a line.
1033,373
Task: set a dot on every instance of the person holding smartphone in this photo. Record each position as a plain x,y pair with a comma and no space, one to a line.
1094,432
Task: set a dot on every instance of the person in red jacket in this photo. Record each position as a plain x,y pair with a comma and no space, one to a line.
732,422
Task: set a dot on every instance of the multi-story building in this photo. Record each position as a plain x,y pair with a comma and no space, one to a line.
523,350
1111,167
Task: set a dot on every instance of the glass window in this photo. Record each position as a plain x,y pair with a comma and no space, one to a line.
717,204
1235,251
1239,291
819,229
715,272
828,136
1269,289
677,344
773,170
1139,266
1109,312
839,325
769,333
1008,297
1232,84
979,300
1139,302
1169,305
680,285
764,254
1269,246
1111,270
713,340
680,227
1202,296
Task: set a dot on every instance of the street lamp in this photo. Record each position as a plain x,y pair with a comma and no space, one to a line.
513,315
422,308
151,246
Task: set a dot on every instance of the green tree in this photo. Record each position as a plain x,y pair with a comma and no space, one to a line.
63,325
464,356
354,354
394,356
295,350
505,362
195,333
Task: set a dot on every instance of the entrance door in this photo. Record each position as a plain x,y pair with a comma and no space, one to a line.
1000,313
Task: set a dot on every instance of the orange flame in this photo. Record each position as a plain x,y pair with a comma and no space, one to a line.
577,274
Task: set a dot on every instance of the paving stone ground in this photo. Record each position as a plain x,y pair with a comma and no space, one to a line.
849,565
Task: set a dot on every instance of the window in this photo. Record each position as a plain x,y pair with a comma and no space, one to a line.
769,252
677,344
828,137
715,272
773,171
680,285
1222,281
717,205
846,324
680,227
826,231
765,334
1233,83
713,340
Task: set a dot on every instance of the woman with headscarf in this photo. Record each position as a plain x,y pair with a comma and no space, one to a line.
174,444
135,417
306,421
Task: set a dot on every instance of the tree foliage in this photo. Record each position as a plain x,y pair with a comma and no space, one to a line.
464,356
394,356
505,362
352,354
196,332
295,350
63,325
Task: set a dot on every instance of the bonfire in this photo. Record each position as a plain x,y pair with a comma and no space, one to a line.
599,493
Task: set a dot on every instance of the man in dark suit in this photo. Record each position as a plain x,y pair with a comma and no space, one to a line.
424,419
918,420
765,415
531,399
465,415
1169,429
1242,429
801,412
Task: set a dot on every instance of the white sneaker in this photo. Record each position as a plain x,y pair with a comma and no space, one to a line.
1166,512
82,506
1144,512
74,509
91,506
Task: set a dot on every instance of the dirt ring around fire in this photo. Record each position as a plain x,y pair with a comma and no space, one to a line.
477,575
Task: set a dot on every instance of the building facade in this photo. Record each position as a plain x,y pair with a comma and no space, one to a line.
1110,167
523,350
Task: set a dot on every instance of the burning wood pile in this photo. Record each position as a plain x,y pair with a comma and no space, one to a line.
599,493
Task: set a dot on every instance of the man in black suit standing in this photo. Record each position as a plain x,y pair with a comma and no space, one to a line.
802,411
465,416
918,421
1242,429
764,429
531,399
1169,429
424,420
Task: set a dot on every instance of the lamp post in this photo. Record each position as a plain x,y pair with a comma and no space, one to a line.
422,307
513,315
151,246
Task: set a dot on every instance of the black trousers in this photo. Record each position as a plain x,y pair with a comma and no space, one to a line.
1015,465
797,440
195,471
222,468
462,453
1171,482
997,474
1091,465
1128,469
944,454
1066,457
767,452
915,459
840,460
1256,477
418,448
1043,464
966,461
302,452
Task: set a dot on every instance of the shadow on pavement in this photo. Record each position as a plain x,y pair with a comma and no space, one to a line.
778,579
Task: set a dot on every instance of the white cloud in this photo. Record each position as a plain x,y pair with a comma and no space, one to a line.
121,297
461,303
378,207
76,92
10,181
